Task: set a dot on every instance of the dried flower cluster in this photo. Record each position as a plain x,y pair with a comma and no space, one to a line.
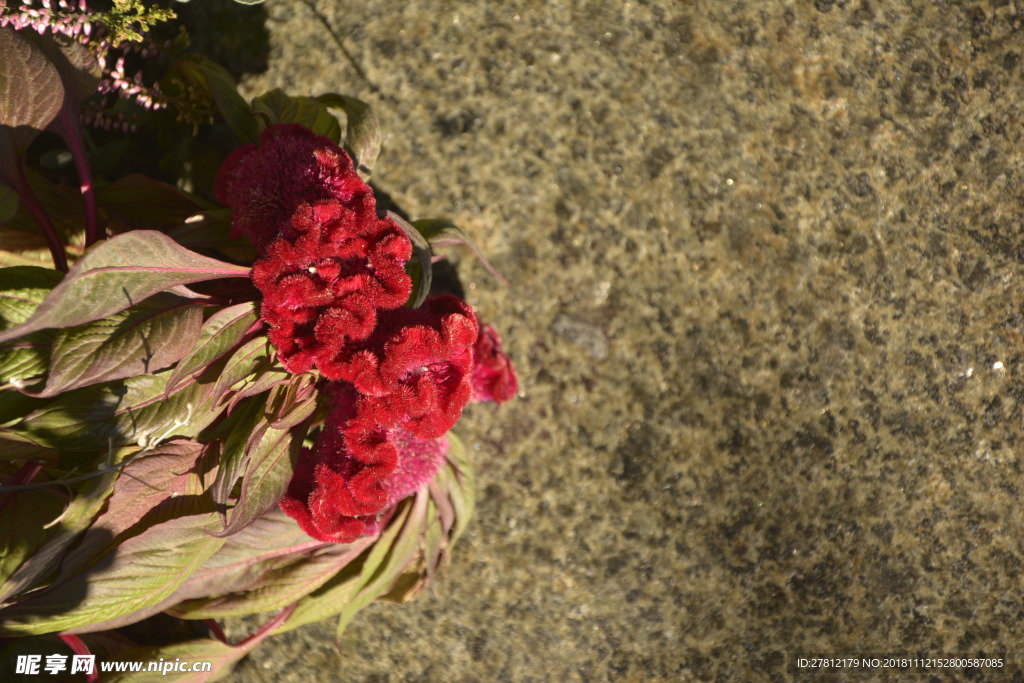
332,275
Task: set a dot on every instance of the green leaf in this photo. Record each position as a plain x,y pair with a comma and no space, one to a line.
250,358
117,274
133,410
143,339
362,129
219,335
419,267
31,94
221,657
217,84
22,289
22,520
278,107
442,233
42,567
122,588
154,534
266,566
138,202
462,487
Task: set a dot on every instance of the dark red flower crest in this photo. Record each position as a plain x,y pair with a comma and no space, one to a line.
332,276
342,489
416,368
494,377
322,290
264,185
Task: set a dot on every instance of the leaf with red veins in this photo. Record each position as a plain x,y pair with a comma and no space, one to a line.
494,376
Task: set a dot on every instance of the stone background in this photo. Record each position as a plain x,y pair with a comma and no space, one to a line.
767,308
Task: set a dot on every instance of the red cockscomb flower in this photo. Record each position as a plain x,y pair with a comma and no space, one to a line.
494,376
322,289
337,495
415,370
264,184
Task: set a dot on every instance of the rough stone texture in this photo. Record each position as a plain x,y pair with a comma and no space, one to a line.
768,312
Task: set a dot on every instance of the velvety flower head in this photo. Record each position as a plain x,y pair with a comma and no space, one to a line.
342,489
322,289
416,368
265,184
494,377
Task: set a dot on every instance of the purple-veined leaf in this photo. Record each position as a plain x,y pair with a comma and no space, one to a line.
362,129
125,586
263,379
268,469
419,268
221,656
117,274
80,74
248,359
143,339
22,242
302,409
31,94
152,536
278,107
244,424
219,335
246,556
270,453
269,564
133,410
441,233
13,447
42,568
22,289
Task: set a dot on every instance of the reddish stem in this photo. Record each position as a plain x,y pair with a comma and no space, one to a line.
79,648
60,259
73,139
266,629
216,630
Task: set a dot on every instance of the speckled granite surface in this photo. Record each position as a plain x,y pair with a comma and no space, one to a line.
768,311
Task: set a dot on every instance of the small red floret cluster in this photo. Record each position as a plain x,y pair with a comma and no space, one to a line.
331,272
